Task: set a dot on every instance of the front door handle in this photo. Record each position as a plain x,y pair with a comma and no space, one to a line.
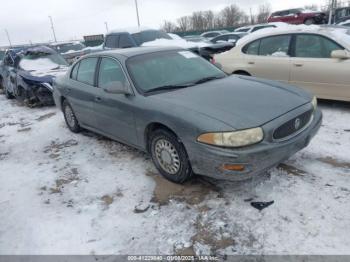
251,63
98,99
298,65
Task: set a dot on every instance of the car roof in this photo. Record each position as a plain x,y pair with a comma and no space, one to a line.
335,32
135,51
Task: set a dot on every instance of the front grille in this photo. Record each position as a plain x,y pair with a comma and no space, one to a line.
293,126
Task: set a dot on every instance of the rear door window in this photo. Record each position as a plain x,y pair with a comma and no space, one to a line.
275,46
86,72
252,48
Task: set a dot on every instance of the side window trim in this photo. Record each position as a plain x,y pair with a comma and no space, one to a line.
77,65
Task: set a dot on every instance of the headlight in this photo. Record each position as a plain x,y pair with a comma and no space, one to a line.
233,139
314,102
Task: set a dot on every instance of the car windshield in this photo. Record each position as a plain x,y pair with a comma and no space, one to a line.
149,35
42,61
170,69
67,48
243,30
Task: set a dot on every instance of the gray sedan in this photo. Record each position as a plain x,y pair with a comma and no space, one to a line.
186,113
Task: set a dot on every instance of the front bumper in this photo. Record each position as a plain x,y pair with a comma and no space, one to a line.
209,160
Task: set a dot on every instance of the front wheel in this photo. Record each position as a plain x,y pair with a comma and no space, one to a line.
170,157
70,118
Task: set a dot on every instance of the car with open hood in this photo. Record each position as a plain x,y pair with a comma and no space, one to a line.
71,51
186,113
314,57
28,74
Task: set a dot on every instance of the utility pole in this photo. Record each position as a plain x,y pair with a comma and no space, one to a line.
137,13
332,6
8,37
53,28
106,24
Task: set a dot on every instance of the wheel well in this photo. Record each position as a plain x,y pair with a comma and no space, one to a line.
153,127
62,100
241,72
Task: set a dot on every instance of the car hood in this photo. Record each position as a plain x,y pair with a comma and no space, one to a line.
240,102
44,75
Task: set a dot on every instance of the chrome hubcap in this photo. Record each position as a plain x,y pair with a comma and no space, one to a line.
167,156
69,116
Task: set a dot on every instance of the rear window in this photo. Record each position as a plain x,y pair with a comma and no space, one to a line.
149,36
269,46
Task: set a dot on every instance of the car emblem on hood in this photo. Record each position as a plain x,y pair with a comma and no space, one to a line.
297,123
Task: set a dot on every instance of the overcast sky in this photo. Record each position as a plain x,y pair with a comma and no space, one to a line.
28,20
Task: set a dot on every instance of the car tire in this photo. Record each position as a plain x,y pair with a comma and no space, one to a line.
169,156
309,21
70,118
8,95
21,95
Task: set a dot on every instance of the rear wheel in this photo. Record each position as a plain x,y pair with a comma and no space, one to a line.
309,21
242,73
169,156
70,118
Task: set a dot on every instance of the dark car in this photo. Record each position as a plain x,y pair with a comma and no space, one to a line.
230,37
71,51
341,15
298,16
186,113
135,37
28,75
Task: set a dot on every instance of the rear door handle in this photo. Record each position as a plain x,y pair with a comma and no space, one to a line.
98,99
251,63
298,65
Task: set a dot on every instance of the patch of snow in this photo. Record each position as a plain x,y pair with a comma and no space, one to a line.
179,43
175,36
66,193
131,30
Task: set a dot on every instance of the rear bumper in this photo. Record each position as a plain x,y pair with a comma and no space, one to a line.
208,160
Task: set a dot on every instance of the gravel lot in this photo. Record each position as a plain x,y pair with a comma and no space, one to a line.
65,193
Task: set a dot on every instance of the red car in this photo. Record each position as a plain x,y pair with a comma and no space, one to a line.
298,16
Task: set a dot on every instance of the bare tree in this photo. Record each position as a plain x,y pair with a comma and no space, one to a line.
264,13
209,19
232,16
198,21
169,26
184,23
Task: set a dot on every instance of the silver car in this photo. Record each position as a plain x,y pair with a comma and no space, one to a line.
186,113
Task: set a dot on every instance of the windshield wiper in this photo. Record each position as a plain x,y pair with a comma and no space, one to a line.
207,79
167,87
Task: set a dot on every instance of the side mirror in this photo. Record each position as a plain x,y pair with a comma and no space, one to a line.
340,54
117,87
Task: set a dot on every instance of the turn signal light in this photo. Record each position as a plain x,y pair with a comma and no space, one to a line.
233,167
